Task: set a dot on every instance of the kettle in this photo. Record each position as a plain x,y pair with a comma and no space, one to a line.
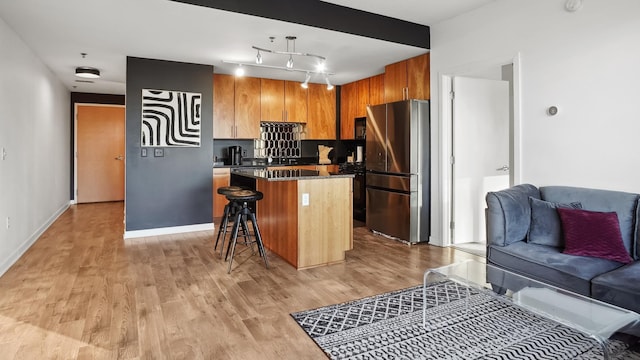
235,155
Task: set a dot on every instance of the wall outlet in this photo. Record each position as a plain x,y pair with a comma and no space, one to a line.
305,199
158,152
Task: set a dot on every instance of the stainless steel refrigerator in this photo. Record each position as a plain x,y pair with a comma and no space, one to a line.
398,170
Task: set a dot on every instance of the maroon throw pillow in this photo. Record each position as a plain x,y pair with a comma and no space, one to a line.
593,233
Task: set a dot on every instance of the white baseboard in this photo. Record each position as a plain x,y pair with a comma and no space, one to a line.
167,230
6,264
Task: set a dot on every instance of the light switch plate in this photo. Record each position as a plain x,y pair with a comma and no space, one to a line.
305,199
143,153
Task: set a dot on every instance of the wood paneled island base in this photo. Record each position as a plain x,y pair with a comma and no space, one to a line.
306,220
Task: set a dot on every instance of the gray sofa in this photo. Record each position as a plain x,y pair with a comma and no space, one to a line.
522,236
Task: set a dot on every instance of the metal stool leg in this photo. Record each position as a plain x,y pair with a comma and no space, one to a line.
233,240
223,225
256,232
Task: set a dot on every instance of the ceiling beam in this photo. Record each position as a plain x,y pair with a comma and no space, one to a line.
327,16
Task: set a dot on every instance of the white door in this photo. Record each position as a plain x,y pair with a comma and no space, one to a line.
480,151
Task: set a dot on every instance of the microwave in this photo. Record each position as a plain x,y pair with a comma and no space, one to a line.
360,127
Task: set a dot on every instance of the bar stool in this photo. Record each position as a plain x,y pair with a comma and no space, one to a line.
230,210
245,213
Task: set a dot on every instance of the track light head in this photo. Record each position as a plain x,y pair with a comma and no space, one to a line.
290,62
329,86
259,58
305,84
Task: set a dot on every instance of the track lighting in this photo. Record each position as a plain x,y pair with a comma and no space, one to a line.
239,71
305,84
289,65
329,86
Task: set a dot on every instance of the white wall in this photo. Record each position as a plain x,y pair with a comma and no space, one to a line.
34,130
587,63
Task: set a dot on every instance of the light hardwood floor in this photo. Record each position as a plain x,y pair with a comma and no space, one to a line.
82,292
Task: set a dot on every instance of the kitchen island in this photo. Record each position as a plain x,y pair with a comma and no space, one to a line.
305,216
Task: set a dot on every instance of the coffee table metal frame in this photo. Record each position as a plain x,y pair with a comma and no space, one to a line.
594,318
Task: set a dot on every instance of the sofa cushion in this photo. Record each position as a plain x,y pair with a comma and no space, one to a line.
593,233
619,287
548,264
508,214
546,228
624,204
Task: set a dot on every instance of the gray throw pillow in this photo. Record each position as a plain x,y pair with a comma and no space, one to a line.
546,227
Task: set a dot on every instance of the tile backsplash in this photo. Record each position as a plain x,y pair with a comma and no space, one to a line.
278,140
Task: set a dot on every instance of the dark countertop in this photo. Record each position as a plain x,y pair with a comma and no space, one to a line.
288,175
253,163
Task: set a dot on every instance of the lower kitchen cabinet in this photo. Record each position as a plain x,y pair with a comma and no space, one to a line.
221,177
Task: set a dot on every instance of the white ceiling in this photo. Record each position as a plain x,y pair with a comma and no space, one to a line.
110,30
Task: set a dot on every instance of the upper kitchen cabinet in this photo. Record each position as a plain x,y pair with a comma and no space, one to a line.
223,109
282,101
354,98
363,97
236,107
247,108
408,79
321,123
348,110
296,102
376,90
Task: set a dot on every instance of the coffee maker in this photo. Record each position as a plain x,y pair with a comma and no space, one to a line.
235,155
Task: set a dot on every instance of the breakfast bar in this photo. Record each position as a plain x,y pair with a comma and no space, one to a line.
305,215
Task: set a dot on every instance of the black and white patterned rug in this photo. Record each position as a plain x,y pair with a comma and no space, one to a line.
462,324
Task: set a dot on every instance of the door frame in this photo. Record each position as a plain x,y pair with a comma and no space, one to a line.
446,135
74,199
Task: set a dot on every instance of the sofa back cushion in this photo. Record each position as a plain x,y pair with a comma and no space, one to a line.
508,214
546,228
623,203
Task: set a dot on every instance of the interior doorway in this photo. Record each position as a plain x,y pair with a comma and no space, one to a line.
100,150
480,124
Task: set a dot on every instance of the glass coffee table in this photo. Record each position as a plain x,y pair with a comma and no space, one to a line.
451,292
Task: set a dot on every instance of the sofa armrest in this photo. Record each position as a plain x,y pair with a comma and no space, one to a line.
508,214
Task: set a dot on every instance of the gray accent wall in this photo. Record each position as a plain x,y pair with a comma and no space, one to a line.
176,189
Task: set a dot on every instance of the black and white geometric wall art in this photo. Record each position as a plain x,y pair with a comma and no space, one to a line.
170,118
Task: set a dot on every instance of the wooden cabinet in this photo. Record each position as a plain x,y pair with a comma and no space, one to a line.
221,177
271,100
223,109
363,97
408,79
418,79
395,81
354,99
296,102
247,108
282,101
348,110
321,121
236,107
376,90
